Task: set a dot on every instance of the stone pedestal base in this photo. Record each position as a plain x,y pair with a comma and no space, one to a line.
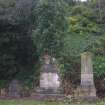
48,94
86,93
47,97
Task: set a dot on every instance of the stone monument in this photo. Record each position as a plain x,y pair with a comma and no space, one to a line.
15,89
49,76
49,83
87,86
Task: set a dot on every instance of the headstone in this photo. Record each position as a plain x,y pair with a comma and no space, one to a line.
15,89
87,79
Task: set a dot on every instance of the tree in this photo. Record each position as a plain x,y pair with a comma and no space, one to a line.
82,31
49,22
16,46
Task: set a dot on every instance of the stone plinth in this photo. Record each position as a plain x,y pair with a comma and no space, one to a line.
87,87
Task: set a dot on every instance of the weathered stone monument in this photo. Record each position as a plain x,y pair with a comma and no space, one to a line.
49,83
87,86
15,89
49,76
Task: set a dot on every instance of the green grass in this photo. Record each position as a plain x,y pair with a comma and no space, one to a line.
21,102
32,102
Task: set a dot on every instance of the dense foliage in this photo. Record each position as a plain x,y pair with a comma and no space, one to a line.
15,52
64,28
49,22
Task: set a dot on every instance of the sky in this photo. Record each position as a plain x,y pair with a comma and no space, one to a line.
83,0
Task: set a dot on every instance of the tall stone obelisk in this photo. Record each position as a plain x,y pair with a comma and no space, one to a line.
87,79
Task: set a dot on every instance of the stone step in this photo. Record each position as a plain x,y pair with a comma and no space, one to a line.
48,97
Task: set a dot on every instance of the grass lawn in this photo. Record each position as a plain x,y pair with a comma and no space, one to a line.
20,102
26,102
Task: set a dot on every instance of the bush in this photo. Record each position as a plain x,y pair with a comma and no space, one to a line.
99,67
